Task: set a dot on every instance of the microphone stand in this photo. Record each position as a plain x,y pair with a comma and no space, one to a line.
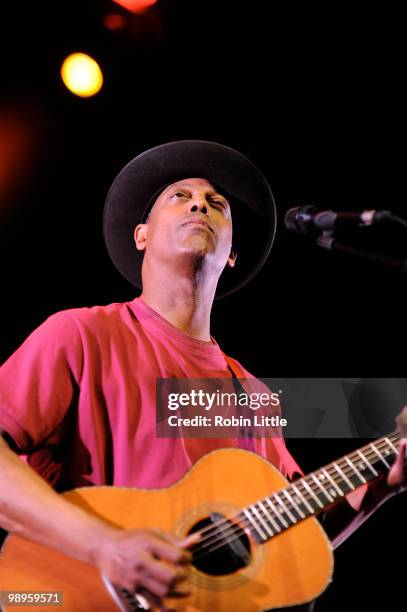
328,242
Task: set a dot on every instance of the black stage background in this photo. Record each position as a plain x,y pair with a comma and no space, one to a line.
314,97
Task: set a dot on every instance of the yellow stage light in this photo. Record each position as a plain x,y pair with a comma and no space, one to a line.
81,75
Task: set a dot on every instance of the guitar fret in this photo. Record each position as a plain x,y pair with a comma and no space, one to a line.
276,513
286,510
319,484
379,455
305,483
367,463
292,501
257,528
308,496
267,513
336,486
262,521
392,445
300,495
343,475
358,474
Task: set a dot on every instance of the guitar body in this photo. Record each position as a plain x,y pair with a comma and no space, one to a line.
292,568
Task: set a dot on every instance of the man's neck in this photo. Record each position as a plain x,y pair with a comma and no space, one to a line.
184,310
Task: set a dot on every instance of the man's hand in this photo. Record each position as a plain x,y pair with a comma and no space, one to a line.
397,477
144,560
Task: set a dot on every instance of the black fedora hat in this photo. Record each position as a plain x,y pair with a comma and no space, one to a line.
135,188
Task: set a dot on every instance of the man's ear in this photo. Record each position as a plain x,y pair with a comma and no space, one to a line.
232,258
140,236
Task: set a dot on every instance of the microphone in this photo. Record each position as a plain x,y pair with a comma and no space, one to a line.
308,220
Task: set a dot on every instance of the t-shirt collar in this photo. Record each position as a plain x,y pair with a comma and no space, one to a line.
156,322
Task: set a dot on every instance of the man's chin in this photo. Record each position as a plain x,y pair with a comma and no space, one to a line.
196,247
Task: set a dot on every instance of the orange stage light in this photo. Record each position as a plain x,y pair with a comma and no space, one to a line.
113,21
135,6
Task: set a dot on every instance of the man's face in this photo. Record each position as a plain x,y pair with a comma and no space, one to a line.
190,217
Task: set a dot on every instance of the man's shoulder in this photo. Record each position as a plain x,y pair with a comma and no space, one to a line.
92,314
87,321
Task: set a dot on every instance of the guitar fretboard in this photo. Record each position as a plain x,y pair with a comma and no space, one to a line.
318,490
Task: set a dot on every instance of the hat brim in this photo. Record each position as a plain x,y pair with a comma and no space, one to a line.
252,204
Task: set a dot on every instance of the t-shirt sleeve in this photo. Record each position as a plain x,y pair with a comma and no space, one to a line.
38,382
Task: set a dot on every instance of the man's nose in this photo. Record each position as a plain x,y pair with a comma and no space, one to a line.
199,205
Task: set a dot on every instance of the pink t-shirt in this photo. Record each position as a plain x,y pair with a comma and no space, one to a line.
78,398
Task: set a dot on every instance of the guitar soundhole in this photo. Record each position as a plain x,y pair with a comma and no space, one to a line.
223,549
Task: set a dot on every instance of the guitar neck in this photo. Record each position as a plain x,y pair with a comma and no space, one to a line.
318,490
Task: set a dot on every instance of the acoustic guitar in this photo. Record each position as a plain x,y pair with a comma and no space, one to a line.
261,546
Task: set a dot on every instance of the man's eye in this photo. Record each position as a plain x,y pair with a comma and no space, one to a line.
180,194
220,203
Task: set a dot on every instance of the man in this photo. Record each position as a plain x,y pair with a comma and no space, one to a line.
78,396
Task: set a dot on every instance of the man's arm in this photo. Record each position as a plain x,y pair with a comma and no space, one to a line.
135,559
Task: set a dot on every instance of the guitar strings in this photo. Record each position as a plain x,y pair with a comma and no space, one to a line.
235,528
224,527
348,471
215,532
